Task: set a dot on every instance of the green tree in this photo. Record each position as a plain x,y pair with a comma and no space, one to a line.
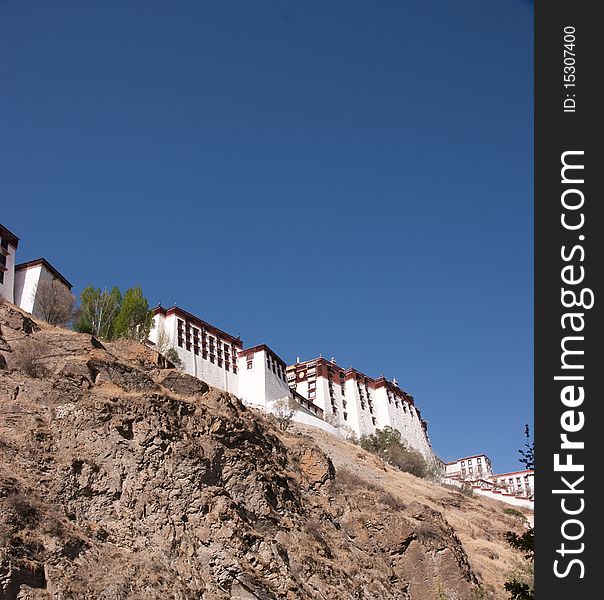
521,586
528,455
387,444
98,311
134,319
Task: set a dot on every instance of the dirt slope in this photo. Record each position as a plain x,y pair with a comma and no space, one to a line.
122,480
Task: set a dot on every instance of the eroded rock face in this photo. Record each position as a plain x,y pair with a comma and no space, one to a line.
119,481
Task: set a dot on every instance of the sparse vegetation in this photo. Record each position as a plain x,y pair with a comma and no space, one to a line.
512,512
520,583
284,410
29,359
387,444
163,341
172,356
23,512
55,303
528,455
348,480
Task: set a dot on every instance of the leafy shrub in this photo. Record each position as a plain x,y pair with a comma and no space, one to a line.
387,444
512,512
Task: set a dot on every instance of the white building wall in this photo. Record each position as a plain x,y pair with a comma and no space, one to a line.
258,382
361,403
8,286
26,283
520,483
470,467
194,364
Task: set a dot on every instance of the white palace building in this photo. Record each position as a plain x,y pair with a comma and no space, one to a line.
476,472
327,395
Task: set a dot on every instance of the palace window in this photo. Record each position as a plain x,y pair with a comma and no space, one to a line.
250,364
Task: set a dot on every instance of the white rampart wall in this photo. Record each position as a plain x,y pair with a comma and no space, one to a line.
519,501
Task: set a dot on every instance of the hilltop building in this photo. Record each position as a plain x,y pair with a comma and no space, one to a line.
257,375
19,282
363,404
205,351
328,396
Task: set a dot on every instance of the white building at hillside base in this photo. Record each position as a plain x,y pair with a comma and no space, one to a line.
361,403
520,483
468,468
516,488
19,282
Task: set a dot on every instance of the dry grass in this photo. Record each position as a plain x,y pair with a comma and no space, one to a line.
479,522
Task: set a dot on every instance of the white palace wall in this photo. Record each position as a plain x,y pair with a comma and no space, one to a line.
359,402
205,351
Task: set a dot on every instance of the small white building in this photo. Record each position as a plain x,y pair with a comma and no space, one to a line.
470,468
520,483
352,399
516,488
27,278
19,282
8,247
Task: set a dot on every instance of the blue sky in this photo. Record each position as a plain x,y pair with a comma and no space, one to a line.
345,178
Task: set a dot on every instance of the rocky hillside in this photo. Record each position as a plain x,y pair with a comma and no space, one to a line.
119,479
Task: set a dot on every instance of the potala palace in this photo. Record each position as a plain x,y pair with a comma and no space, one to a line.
326,395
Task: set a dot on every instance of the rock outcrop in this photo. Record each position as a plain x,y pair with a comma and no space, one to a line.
119,479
